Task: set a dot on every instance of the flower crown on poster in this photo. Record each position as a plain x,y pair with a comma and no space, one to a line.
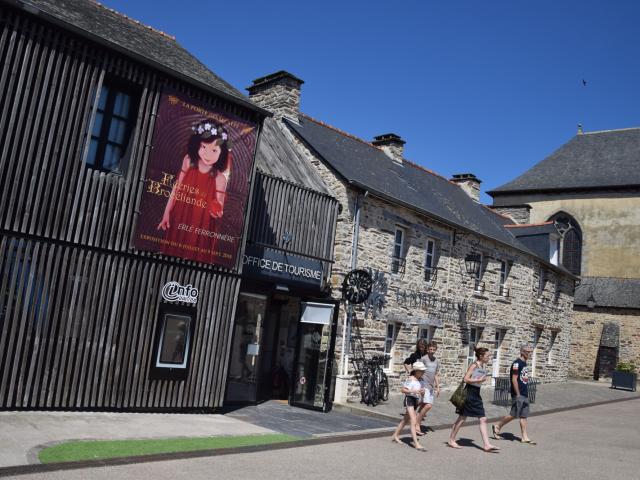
210,129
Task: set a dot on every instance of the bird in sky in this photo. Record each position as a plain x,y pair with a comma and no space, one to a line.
584,82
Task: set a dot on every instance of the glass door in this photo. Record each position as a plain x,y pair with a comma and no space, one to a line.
245,351
312,368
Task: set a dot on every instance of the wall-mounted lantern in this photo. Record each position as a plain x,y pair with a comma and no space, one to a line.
472,263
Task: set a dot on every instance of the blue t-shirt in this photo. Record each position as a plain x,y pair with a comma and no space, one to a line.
519,367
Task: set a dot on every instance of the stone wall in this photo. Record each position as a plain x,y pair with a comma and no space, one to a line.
451,303
586,332
519,214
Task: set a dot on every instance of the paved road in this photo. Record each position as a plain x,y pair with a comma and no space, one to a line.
590,443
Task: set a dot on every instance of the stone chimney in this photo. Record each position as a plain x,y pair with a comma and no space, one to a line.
278,93
469,183
392,145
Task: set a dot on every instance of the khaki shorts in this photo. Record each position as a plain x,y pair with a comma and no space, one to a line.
519,407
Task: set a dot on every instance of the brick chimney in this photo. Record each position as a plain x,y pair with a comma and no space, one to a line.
392,145
469,183
278,93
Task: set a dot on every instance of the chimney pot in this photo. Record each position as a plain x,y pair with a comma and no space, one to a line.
278,93
392,145
469,183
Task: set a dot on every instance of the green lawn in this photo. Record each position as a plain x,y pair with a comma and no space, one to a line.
99,449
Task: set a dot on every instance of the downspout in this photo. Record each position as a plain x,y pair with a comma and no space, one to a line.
346,331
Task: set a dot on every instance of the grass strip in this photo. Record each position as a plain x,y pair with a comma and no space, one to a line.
100,449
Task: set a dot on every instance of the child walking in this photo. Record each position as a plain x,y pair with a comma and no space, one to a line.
413,392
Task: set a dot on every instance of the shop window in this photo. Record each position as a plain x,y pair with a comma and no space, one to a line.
431,260
115,115
389,343
174,338
398,259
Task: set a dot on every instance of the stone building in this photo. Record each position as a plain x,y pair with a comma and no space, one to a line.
590,188
420,237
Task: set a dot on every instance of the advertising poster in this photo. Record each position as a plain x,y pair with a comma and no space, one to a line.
197,182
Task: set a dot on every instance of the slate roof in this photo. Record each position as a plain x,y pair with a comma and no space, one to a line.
535,237
277,156
115,30
366,166
590,160
609,292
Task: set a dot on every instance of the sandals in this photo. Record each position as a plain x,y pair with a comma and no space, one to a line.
491,449
420,448
528,442
496,434
456,446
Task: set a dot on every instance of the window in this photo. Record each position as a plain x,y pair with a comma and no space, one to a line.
430,273
478,284
552,340
537,333
397,262
504,274
474,337
557,292
174,332
115,114
389,343
571,242
427,333
542,282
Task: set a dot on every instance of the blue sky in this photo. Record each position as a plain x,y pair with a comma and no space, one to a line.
487,87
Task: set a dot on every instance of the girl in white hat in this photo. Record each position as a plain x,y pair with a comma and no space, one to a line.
413,390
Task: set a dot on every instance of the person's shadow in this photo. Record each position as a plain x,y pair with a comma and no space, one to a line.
509,437
467,442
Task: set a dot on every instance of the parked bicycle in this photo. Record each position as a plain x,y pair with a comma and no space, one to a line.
374,384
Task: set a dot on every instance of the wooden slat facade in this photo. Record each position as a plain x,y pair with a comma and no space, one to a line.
309,218
78,304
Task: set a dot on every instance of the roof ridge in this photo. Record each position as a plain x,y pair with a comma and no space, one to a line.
425,169
348,135
517,225
133,20
341,132
611,130
494,212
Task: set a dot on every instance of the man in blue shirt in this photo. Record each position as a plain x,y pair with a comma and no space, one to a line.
519,375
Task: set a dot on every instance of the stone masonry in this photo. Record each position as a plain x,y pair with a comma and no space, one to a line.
454,305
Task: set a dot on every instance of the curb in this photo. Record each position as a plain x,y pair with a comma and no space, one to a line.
329,438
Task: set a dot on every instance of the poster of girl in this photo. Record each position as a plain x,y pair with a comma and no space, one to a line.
197,182
198,195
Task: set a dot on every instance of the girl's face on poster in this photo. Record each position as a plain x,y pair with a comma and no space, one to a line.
209,153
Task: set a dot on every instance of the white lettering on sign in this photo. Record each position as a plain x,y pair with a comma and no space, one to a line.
275,266
174,292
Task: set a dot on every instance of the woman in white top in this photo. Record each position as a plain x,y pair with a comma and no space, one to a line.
473,407
413,391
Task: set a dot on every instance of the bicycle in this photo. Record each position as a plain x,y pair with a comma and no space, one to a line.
374,382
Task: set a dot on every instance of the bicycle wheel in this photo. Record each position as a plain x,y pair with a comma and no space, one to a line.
364,389
373,391
384,387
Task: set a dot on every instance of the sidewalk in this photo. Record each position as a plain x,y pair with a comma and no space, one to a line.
550,396
24,433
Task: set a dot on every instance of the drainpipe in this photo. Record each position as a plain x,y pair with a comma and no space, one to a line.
346,331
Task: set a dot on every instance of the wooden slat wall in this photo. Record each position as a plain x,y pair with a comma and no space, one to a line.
77,330
77,305
47,84
279,206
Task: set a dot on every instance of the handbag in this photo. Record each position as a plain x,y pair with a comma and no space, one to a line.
459,396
